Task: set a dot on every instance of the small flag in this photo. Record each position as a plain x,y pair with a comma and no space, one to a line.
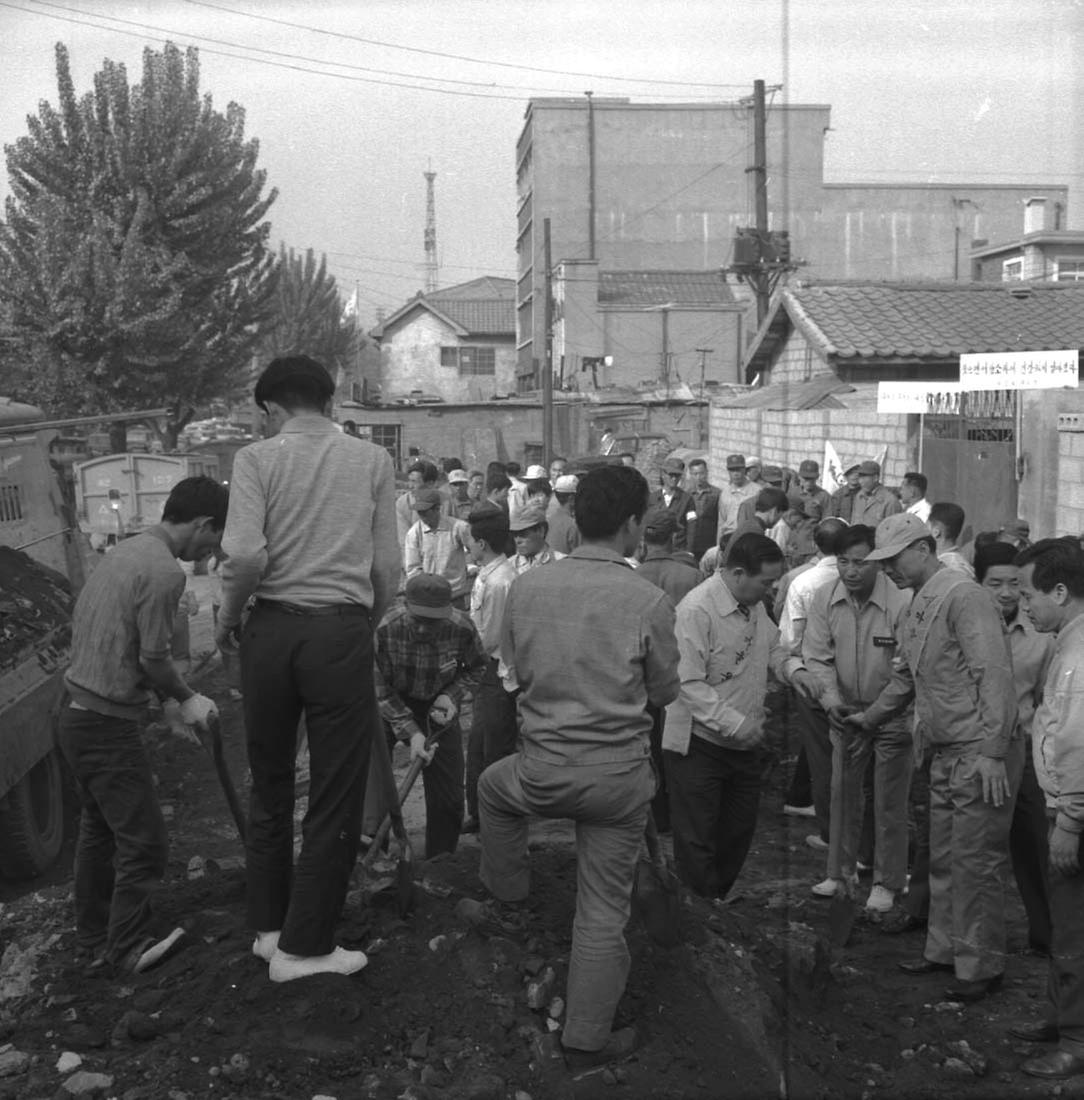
831,469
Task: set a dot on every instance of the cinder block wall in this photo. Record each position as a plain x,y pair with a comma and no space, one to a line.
1069,514
784,438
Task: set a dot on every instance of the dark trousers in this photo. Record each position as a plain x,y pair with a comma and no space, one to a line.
813,722
319,666
493,730
120,856
714,795
1065,986
442,780
800,791
660,804
1028,852
917,901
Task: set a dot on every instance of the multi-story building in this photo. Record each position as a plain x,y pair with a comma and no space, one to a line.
1046,251
648,186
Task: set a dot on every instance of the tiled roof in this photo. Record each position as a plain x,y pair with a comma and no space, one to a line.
936,320
658,288
488,286
815,393
486,316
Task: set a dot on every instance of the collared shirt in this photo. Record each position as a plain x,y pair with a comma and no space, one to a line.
956,654
487,600
680,505
730,500
441,550
311,521
871,508
841,503
521,563
406,516
795,609
850,649
125,611
563,534
676,576
920,508
591,643
420,660
1031,656
1058,729
821,496
726,650
953,559
783,588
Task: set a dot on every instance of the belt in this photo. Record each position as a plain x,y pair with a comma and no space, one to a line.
308,612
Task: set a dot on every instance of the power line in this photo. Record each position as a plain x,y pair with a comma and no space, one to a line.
458,57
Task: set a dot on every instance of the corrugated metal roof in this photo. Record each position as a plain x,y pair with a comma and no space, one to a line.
937,321
815,393
657,288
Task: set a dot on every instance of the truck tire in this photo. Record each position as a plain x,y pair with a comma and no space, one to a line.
32,820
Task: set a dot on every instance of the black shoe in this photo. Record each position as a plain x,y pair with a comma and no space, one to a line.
1054,1066
922,966
969,992
1035,1031
470,825
899,920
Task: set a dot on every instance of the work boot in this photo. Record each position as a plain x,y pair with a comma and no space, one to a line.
286,968
620,1045
492,918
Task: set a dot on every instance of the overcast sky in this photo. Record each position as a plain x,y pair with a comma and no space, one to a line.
944,91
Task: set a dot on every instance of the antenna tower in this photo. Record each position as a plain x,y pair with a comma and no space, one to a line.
430,231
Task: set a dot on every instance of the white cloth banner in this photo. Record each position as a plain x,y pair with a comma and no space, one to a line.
913,397
1018,370
831,469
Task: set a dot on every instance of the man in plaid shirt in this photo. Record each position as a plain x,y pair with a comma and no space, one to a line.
428,655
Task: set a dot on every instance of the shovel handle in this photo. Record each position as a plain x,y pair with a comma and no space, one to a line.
211,739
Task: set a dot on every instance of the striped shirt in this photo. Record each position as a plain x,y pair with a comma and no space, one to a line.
125,612
311,521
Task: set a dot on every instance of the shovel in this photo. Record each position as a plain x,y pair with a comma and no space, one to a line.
404,868
211,740
656,891
841,916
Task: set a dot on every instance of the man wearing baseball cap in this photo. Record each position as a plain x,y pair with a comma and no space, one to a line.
437,544
873,501
428,656
563,535
311,536
674,499
955,652
529,528
808,473
842,501
738,489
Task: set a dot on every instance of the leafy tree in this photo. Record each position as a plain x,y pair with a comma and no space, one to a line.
307,315
133,254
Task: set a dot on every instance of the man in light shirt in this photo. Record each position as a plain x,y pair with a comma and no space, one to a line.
529,529
946,523
731,495
437,544
493,725
913,495
714,738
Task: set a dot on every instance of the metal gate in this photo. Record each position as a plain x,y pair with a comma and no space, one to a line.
969,456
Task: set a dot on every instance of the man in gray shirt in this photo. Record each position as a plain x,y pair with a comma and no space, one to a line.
311,537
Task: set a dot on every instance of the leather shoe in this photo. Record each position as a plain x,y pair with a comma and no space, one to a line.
969,992
1035,1031
1054,1066
922,966
470,825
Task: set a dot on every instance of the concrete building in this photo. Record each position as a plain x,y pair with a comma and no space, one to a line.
457,344
644,329
1045,251
999,453
648,186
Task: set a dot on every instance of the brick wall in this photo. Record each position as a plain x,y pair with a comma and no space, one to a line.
1069,514
784,438
796,362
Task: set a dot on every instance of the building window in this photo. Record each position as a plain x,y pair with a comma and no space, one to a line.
11,504
1012,270
470,360
388,436
1069,271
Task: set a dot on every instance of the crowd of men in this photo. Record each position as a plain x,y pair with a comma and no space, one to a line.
616,642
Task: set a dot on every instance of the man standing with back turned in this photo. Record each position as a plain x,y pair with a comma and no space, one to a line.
311,535
586,680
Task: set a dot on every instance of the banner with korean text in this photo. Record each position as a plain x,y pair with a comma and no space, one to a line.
1019,370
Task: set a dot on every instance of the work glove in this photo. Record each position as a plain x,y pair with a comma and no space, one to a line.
418,751
198,710
443,710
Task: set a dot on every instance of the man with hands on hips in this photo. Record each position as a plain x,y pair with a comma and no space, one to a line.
122,630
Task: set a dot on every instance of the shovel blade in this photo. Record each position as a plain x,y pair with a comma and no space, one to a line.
655,896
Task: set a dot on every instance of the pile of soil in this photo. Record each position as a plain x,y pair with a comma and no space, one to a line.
751,1003
34,602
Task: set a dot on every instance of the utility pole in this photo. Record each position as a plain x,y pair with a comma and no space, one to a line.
430,230
590,176
761,256
547,363
703,353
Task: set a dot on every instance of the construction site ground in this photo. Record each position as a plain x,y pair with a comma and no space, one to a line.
751,1003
